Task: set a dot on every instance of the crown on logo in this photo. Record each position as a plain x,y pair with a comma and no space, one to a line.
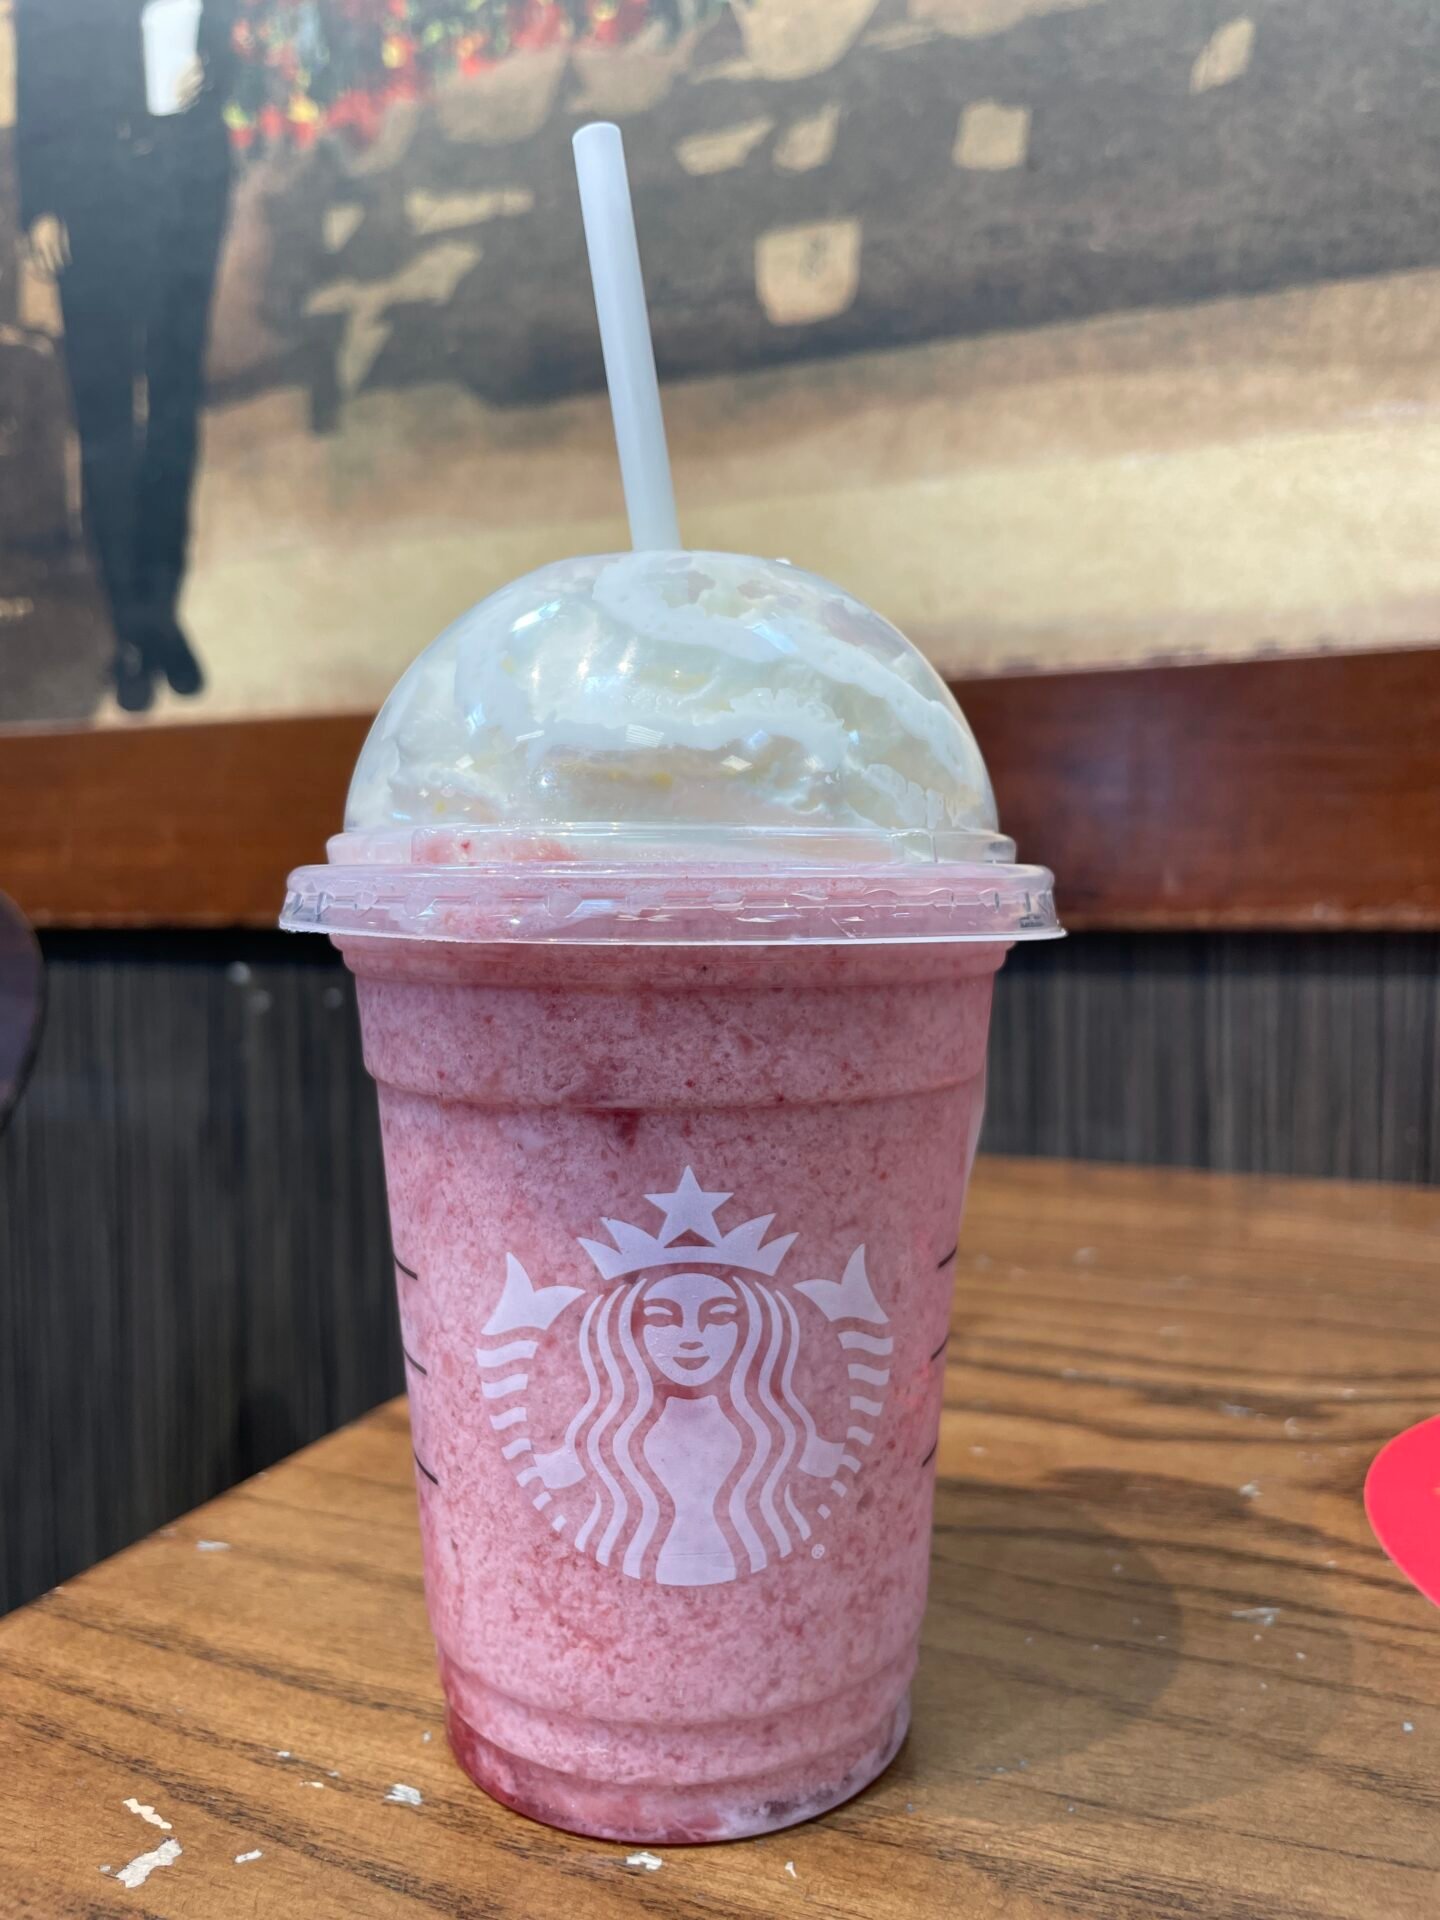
688,1210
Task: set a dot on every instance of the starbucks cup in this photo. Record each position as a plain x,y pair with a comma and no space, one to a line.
170,37
681,1067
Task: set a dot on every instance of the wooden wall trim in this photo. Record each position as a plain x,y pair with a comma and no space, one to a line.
1280,793
1277,793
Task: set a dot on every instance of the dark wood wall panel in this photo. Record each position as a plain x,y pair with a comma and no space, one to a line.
194,1274
193,1238
1312,1054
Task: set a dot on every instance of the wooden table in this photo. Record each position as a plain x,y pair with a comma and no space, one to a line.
1166,1671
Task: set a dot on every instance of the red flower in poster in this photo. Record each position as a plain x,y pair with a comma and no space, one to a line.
358,116
472,54
311,67
605,23
541,23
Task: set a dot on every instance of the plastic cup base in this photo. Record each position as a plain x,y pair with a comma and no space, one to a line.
654,1814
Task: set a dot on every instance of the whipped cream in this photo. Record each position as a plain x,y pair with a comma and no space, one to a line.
671,689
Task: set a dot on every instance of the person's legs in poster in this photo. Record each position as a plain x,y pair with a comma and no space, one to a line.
191,195
102,359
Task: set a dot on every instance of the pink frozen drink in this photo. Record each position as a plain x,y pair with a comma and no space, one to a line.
673,890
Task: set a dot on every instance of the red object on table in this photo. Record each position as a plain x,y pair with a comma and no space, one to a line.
1402,1498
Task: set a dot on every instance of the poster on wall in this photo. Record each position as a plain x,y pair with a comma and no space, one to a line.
1069,333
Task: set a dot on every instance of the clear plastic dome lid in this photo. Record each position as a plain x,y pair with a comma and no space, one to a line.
672,745
696,693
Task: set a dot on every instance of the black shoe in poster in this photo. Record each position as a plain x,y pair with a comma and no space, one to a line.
169,652
134,681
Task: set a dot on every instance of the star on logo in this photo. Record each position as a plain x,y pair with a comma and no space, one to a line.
689,1234
689,1209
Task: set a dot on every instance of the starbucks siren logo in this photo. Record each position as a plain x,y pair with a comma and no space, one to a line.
696,1487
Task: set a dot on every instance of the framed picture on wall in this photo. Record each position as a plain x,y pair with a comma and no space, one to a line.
1090,340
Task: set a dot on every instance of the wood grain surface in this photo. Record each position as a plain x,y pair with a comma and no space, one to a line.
1166,1671
1278,793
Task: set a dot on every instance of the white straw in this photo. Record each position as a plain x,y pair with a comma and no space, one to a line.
625,337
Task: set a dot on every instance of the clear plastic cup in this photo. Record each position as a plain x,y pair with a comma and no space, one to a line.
170,36
678,1116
